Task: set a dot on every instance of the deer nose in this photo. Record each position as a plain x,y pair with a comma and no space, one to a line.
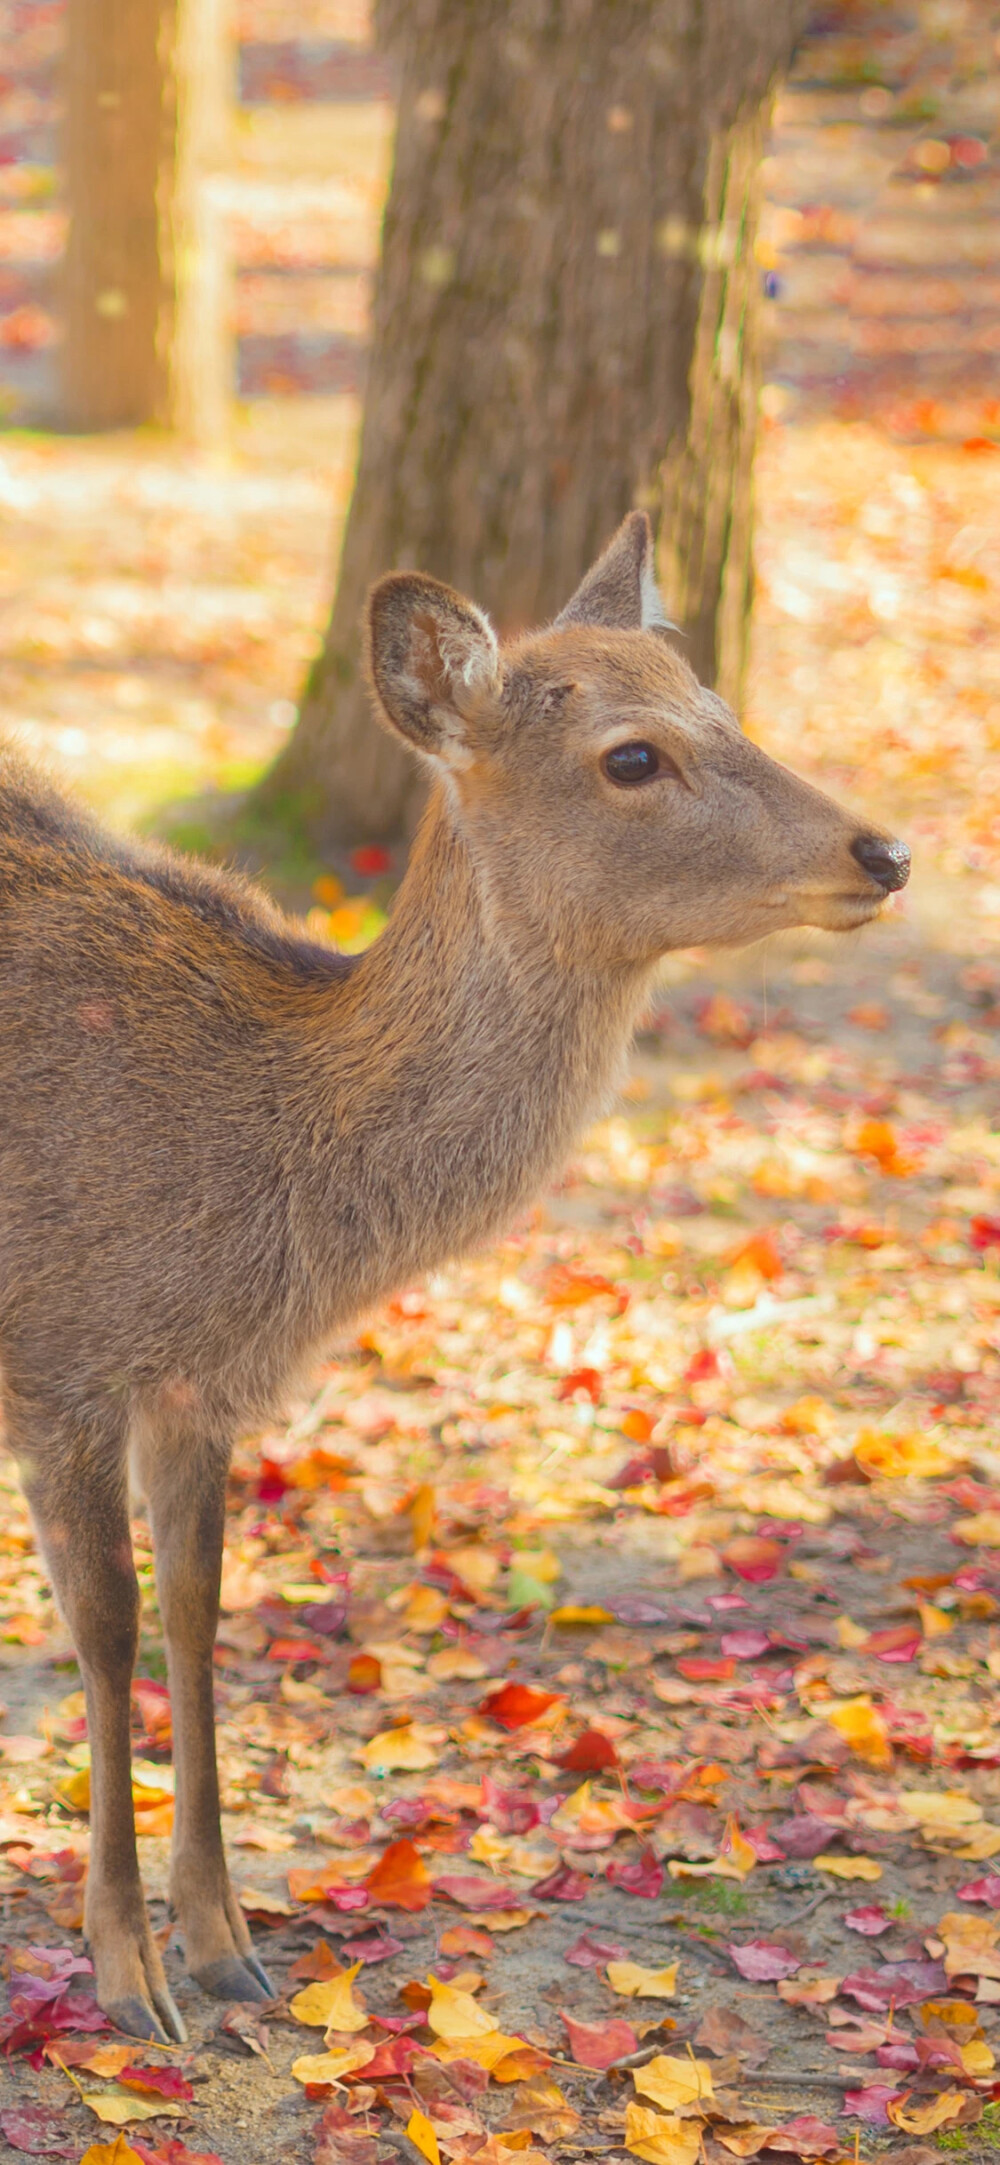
887,863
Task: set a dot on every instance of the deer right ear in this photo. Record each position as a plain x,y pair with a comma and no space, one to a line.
433,661
620,592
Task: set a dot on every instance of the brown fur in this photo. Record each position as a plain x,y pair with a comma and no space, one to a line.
219,1142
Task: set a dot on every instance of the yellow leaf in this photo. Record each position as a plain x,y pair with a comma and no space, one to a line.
895,1458
454,2014
735,1850
117,2108
746,2141
331,2005
630,1980
662,2141
976,2058
940,1807
420,2132
925,2118
848,1632
674,2082
488,1847
980,1531
849,1867
970,1945
984,1842
333,2066
540,1564
485,2051
119,2152
862,1727
411,1749
573,1612
425,1610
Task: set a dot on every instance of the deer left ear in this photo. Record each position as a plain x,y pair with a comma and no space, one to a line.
433,664
620,592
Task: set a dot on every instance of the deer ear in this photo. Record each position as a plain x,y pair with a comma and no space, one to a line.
433,661
620,592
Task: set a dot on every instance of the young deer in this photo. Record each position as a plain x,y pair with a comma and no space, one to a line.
220,1142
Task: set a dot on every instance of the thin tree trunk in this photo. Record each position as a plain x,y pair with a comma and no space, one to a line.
118,137
563,329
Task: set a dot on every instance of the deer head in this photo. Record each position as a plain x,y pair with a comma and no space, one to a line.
607,797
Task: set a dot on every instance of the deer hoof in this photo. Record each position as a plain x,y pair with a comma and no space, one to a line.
230,1978
138,2019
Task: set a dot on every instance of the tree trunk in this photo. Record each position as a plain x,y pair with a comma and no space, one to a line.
118,138
564,328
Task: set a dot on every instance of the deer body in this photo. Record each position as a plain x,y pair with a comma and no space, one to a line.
219,1143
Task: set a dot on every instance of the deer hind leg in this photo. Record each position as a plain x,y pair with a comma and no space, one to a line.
184,1482
75,1482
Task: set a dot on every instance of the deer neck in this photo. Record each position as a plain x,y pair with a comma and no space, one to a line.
465,1064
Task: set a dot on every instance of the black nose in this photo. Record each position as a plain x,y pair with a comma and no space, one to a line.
887,863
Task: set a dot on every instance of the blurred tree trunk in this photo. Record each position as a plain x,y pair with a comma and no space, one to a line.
118,153
564,327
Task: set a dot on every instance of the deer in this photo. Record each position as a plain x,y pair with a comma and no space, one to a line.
221,1141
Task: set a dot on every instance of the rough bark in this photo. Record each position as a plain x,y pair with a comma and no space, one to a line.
118,147
564,327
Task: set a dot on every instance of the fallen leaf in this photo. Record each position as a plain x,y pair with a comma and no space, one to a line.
422,2135
923,2119
631,1981
674,2083
329,2067
400,1879
598,2044
849,1867
331,2006
119,2111
761,1960
410,1750
453,2014
661,2140
516,1706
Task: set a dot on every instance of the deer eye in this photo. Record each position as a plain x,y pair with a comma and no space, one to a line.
629,764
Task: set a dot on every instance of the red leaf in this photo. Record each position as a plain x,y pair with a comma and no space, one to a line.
753,1558
645,1878
805,2137
562,1885
472,1893
591,1953
510,1811
702,1669
515,1705
899,1642
598,2044
984,1233
592,1751
400,1879
762,1961
871,1920
982,1890
870,2104
42,2130
158,2081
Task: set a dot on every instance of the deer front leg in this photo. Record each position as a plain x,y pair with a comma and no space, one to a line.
78,1500
184,1484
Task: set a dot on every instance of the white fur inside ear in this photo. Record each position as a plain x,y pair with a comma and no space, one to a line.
471,658
654,615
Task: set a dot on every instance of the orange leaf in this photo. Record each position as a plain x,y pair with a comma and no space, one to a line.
400,1879
515,1705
